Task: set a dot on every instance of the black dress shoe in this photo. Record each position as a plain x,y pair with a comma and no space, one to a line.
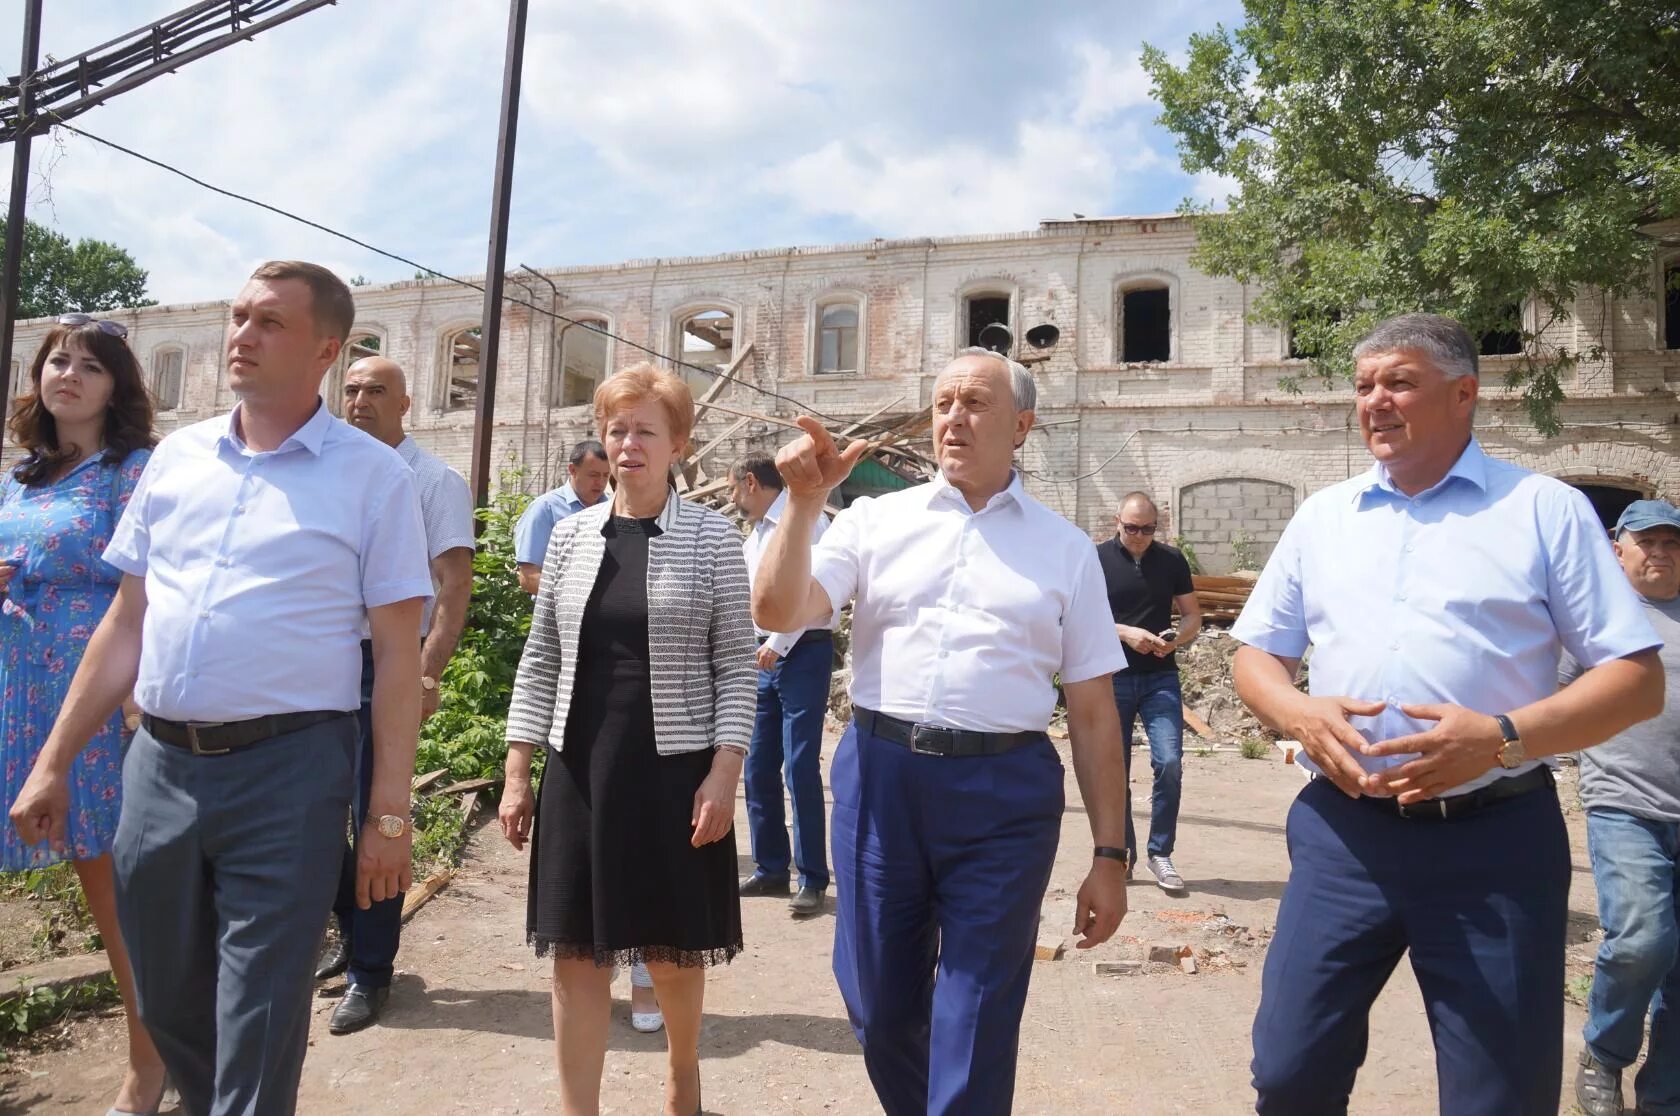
756,885
334,961
808,902
1598,1088
359,1008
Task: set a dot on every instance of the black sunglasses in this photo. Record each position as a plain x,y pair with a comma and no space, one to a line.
1138,528
106,325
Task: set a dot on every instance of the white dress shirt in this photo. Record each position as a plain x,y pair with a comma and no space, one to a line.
446,508
757,539
963,618
260,567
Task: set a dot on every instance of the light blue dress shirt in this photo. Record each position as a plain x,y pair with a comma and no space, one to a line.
260,567
1464,594
530,534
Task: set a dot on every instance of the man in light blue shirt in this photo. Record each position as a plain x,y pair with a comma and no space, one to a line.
586,488
1436,592
255,548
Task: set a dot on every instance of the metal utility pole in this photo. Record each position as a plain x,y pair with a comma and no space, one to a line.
12,272
501,197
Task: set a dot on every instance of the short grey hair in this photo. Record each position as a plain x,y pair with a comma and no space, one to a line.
1446,343
1021,383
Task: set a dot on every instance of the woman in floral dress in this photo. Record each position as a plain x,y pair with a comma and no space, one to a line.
86,431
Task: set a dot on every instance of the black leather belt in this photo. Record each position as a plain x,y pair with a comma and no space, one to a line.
1446,809
937,740
218,738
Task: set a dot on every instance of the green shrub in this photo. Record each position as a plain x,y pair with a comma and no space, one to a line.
1252,747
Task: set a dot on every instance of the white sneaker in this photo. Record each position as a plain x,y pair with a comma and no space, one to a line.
1166,876
647,1022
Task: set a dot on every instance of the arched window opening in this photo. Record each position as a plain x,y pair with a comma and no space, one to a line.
837,338
1145,314
460,381
168,372
708,341
583,362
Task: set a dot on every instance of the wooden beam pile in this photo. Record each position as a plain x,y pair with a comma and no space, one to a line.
1222,598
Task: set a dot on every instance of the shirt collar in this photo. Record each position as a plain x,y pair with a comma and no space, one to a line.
409,448
945,490
773,514
1471,466
312,435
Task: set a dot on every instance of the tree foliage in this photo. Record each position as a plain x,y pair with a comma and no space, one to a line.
1445,155
59,276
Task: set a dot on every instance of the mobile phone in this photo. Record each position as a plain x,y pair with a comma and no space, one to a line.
1170,634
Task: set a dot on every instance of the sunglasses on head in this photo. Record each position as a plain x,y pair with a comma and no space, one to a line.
1138,528
106,325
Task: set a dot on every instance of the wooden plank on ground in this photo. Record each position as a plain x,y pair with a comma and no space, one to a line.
421,782
1200,727
422,895
468,785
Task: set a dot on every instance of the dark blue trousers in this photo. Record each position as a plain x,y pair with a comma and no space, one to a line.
373,934
1479,902
787,738
940,865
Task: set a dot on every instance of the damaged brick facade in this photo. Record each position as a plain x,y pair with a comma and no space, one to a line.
1210,431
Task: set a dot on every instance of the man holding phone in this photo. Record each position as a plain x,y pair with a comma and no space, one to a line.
1145,579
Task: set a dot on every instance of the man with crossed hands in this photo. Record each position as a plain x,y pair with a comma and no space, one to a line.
969,597
1437,590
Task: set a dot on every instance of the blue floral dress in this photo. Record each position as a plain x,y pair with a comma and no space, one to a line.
55,534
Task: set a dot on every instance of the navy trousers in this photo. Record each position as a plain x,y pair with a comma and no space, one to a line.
1480,902
787,737
373,934
940,865
224,868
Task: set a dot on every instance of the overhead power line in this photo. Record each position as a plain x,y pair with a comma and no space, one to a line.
799,404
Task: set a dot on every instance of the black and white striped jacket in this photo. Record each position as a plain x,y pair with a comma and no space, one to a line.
702,672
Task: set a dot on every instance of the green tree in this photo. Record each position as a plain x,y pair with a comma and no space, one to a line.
1459,157
59,276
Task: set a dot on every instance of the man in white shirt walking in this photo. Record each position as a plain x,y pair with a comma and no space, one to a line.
794,670
970,599
375,400
254,549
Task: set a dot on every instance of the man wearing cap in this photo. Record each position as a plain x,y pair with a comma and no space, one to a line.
1630,788
1437,591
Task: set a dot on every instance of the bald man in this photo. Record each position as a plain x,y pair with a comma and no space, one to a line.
375,401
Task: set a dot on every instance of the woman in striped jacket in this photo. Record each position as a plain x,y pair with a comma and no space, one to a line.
638,675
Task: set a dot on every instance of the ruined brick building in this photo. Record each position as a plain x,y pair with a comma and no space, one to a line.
1158,381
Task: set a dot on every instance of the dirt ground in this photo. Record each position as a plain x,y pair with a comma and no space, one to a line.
468,1028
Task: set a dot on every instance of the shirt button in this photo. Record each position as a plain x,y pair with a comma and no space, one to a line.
944,654
205,615
239,509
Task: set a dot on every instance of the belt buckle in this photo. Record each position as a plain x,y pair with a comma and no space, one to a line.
1419,809
192,738
920,732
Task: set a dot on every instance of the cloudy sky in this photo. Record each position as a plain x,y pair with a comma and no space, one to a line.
647,128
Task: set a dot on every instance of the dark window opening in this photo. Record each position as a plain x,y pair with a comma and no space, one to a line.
1609,501
1671,307
1507,338
985,310
1146,325
1300,348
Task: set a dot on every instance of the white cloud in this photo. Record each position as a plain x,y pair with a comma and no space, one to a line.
1108,86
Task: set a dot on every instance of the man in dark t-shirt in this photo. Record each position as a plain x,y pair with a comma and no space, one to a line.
1145,579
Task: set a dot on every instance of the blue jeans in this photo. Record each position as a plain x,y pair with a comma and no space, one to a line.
1636,866
1154,696
787,737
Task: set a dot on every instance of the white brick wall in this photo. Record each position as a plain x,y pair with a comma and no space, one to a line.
1216,413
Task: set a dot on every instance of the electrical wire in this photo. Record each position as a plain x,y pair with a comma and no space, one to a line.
801,405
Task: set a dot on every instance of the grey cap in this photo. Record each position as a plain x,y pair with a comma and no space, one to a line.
1642,515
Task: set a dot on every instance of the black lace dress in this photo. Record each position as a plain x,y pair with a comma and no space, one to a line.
613,876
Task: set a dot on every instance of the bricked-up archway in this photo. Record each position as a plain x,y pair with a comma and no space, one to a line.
1234,522
1609,498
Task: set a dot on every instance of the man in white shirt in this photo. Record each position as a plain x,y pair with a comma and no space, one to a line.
375,401
255,548
794,670
970,599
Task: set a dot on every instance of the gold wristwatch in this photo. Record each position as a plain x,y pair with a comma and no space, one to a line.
390,825
1511,753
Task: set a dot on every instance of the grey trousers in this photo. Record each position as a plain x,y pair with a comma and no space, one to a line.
225,870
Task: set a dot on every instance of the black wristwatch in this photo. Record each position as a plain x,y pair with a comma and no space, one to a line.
1112,853
1511,753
